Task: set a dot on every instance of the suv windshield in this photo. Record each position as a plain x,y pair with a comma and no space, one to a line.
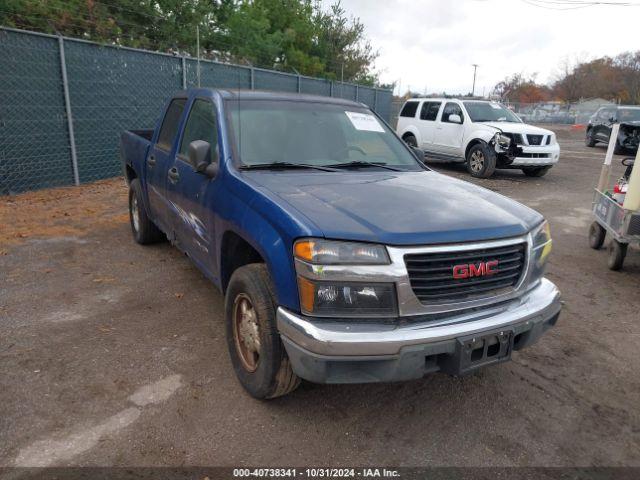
490,112
628,114
314,134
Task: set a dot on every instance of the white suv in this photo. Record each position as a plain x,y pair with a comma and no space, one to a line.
486,135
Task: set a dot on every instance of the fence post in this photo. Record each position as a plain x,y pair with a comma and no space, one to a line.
184,73
357,92
375,99
67,104
253,76
299,80
331,88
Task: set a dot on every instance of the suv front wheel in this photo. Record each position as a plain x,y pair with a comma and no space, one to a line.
481,161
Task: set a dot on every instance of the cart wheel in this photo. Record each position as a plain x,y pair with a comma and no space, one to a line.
596,235
617,251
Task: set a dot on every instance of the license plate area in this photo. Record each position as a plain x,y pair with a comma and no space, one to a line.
478,351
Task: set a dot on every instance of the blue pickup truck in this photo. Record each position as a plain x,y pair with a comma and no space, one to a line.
342,257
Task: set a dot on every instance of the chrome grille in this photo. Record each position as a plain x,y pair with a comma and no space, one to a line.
432,280
534,139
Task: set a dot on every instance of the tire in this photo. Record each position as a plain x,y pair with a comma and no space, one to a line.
619,149
617,252
589,140
481,161
535,171
410,140
597,235
143,229
257,353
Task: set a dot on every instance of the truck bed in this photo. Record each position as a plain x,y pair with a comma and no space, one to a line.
134,146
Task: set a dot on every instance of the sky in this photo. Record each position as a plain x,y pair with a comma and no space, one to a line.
430,45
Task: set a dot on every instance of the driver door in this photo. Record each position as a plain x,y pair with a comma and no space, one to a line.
447,139
192,192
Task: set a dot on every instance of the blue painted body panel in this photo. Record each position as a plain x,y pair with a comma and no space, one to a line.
271,209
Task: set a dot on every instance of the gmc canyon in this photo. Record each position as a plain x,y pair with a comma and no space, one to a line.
341,256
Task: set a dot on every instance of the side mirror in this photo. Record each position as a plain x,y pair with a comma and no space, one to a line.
455,118
201,159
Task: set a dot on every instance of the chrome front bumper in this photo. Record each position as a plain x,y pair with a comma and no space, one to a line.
348,338
552,152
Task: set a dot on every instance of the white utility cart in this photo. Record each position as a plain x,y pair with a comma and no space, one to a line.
616,213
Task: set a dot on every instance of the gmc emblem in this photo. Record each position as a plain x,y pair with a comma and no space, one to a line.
470,270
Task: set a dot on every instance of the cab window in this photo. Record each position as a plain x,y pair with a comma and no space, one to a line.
201,125
169,128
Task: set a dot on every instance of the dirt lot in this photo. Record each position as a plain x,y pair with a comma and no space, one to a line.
114,354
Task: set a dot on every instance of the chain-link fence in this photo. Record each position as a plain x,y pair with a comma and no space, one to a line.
64,102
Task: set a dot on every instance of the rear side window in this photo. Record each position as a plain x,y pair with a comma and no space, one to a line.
429,110
169,127
409,109
201,125
451,109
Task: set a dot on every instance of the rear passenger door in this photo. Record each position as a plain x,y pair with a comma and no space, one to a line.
159,161
427,123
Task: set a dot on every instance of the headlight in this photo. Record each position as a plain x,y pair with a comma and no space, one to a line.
502,140
352,299
329,252
541,248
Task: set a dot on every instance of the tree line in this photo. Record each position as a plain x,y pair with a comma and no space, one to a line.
616,79
295,36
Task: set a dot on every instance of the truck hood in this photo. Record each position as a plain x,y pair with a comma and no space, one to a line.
513,127
397,208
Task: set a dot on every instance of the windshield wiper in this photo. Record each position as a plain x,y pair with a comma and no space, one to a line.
360,163
284,165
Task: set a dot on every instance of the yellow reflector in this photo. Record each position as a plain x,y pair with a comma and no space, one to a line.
307,294
304,249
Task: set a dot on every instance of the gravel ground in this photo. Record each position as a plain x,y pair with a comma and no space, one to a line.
114,354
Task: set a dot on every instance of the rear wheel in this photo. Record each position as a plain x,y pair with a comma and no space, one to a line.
597,235
143,229
535,171
617,252
257,353
410,140
481,161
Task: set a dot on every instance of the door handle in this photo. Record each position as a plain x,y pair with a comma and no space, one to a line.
152,160
173,174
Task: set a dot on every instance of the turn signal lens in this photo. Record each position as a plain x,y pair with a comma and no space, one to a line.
329,252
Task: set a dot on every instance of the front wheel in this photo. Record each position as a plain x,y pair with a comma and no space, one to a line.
481,161
589,141
535,171
257,353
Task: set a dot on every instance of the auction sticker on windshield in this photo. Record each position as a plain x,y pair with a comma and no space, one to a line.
364,121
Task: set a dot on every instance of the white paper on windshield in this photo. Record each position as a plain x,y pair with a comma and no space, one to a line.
365,122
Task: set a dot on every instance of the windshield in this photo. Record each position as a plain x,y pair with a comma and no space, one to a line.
628,114
318,134
490,112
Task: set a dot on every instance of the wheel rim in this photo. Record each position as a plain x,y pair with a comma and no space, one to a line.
135,213
411,141
246,332
476,162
